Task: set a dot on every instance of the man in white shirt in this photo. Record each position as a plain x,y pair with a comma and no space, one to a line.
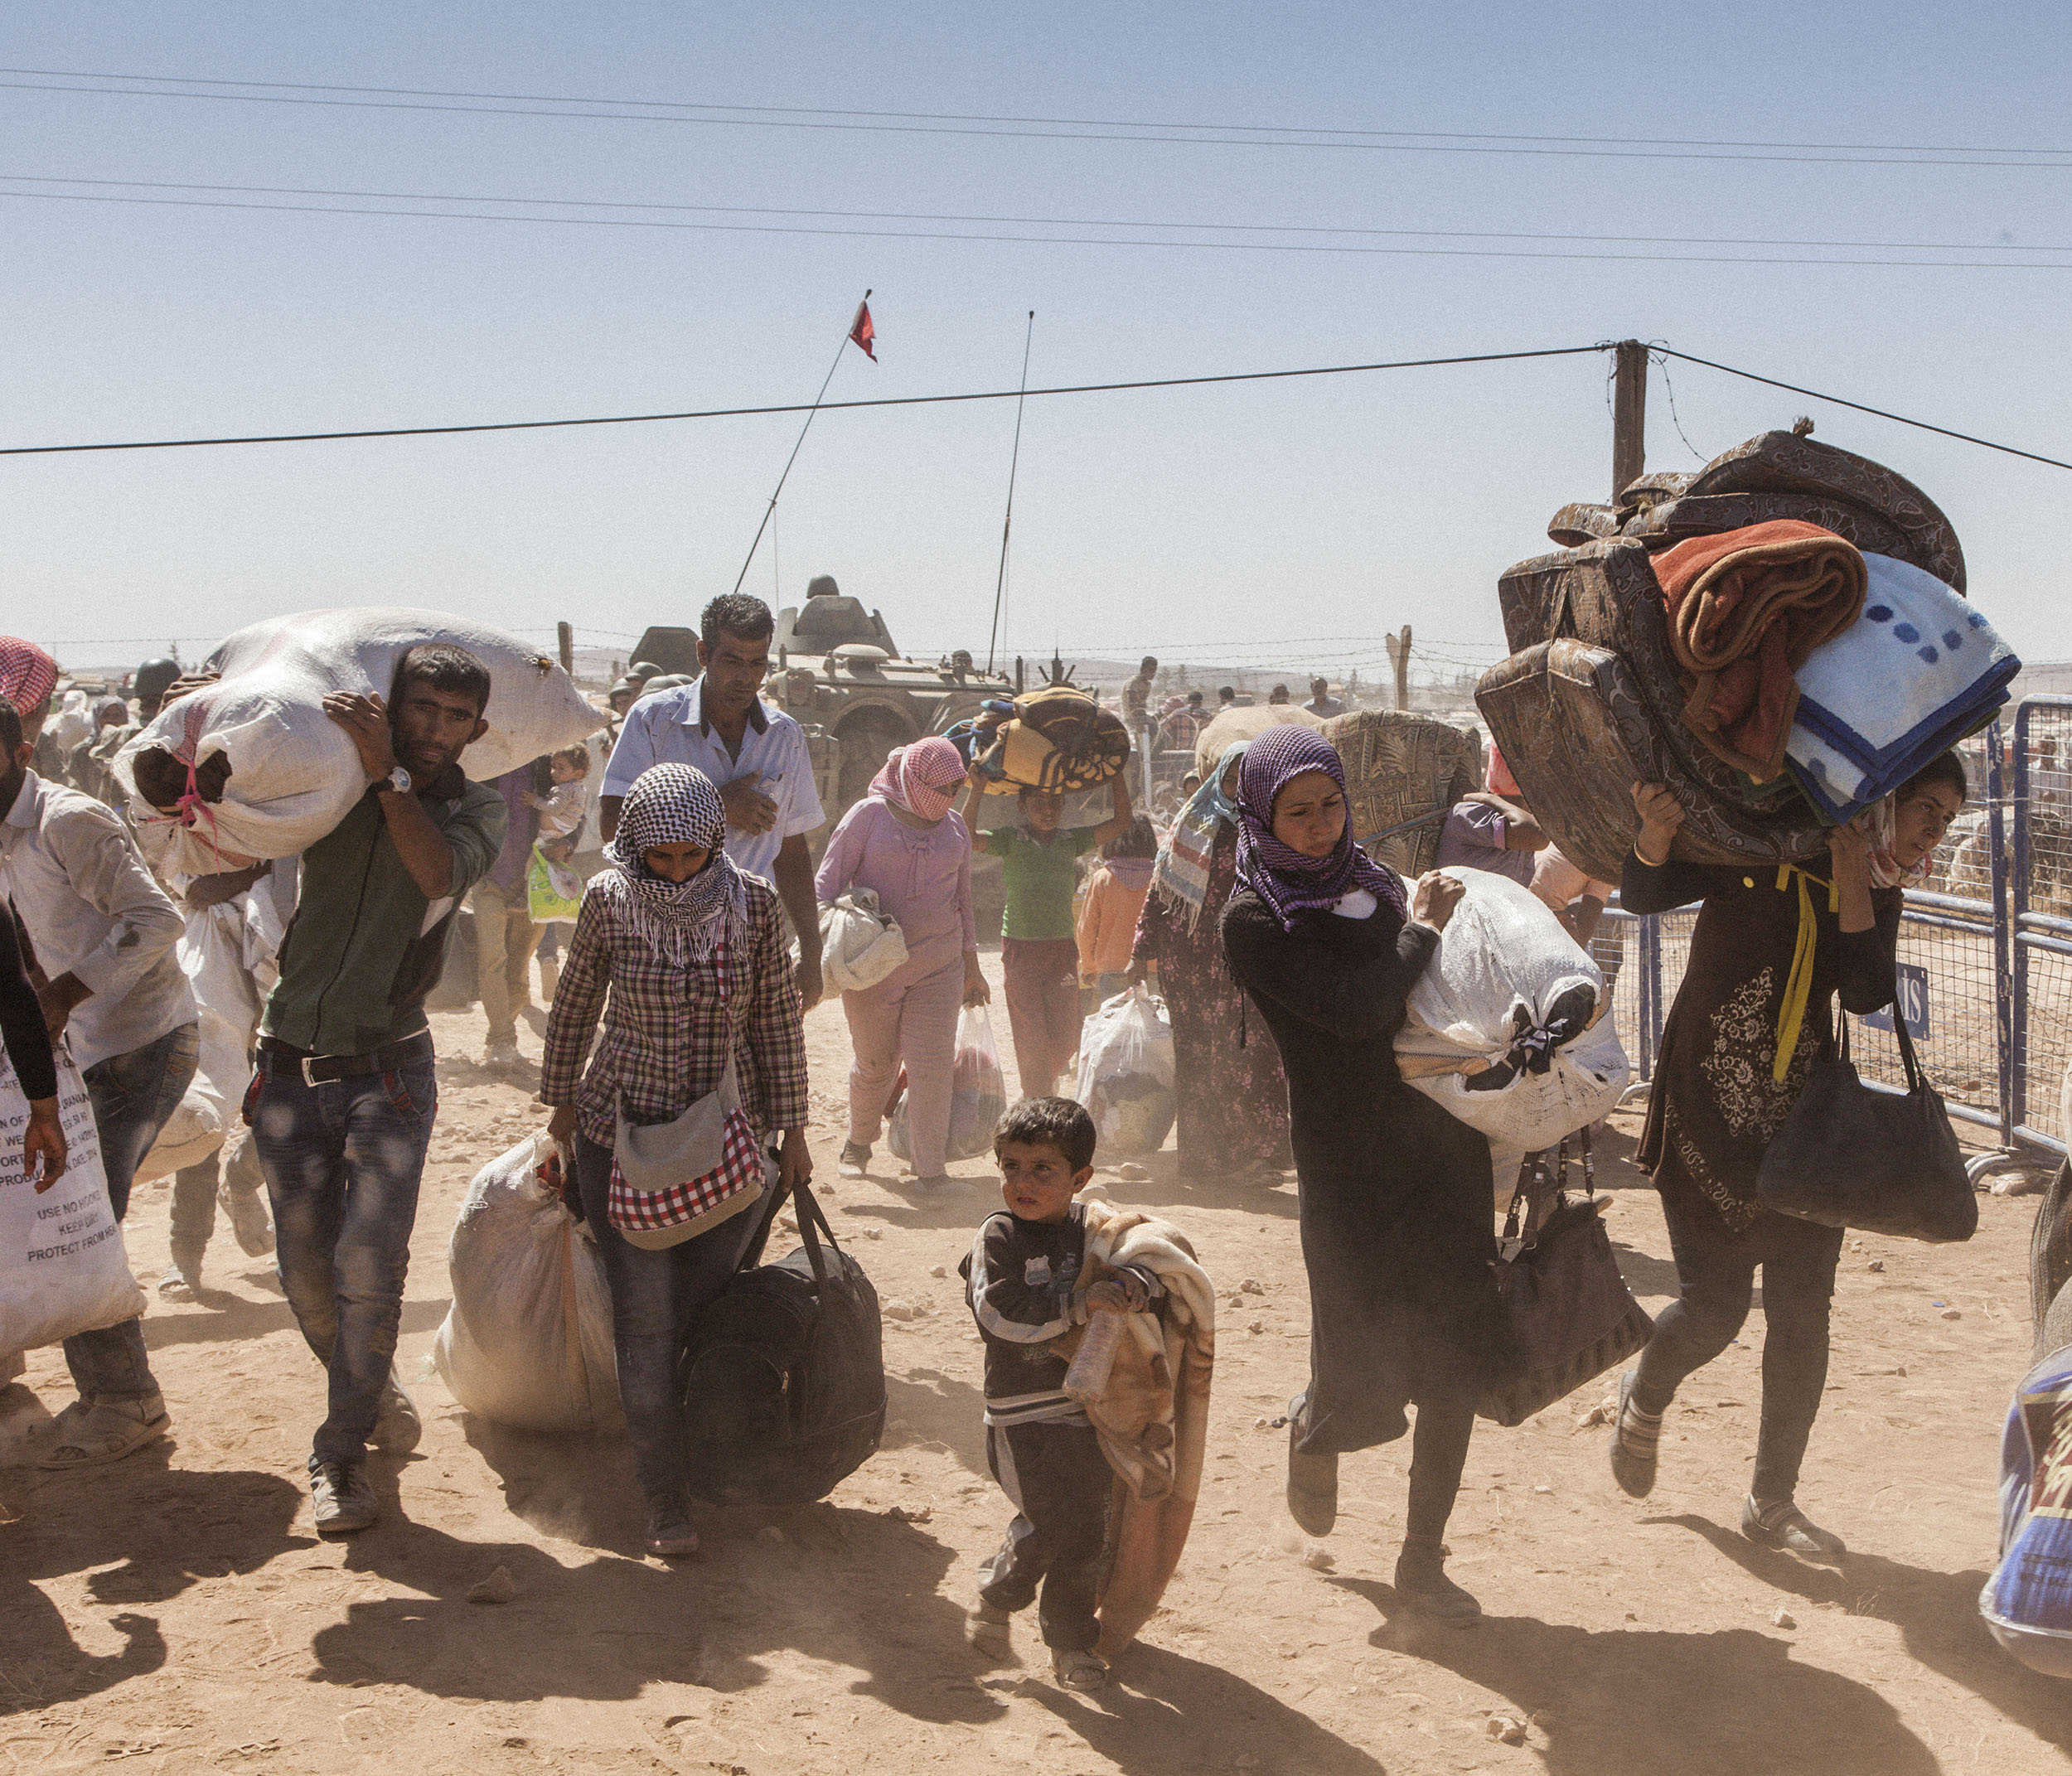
1321,702
103,933
756,756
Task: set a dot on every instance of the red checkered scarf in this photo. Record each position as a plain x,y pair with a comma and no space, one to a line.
922,778
27,675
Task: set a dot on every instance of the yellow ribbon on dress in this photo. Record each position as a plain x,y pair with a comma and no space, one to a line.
1791,1014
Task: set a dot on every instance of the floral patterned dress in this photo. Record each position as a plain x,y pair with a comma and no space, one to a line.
1715,1106
1233,1096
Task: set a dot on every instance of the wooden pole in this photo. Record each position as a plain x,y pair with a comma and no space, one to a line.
565,634
1629,416
1399,658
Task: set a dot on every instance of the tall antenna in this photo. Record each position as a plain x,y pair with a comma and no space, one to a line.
770,510
999,586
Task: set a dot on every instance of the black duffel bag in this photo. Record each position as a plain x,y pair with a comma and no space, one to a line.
1850,1155
784,1377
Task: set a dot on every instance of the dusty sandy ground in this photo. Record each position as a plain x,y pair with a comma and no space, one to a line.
175,1613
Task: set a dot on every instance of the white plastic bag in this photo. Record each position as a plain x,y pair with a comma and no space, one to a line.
229,954
1125,1076
63,1268
1505,966
978,1093
860,945
294,773
527,1341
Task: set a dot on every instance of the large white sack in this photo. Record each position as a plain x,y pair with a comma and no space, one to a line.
861,944
527,1341
62,1266
229,954
1504,961
1125,1073
294,774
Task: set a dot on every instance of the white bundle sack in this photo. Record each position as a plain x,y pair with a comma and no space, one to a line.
294,772
1125,1073
229,953
1510,992
63,1268
860,944
527,1341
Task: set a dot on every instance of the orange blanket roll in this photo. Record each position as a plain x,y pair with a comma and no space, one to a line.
1744,609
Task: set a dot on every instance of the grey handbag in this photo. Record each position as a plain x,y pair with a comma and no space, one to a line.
674,1180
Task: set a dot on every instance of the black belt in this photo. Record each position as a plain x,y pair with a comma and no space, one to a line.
276,1057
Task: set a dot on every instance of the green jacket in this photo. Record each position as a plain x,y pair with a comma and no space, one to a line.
364,945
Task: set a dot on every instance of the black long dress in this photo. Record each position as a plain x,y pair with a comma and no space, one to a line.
1396,1233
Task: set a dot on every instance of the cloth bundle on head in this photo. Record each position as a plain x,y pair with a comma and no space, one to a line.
922,778
1289,882
681,922
27,675
1181,872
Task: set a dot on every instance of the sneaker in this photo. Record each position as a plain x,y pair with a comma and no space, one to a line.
397,1428
669,1536
854,1157
344,1501
1783,1525
1079,1670
1634,1452
249,1222
987,1628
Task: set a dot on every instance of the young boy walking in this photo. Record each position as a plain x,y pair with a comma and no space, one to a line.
1020,1280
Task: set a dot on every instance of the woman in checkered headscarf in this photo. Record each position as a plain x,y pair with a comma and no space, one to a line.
904,843
686,957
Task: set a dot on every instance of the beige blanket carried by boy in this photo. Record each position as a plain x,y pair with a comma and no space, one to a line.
1151,1413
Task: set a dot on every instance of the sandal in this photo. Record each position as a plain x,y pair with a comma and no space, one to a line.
90,1434
1633,1467
1079,1670
1783,1525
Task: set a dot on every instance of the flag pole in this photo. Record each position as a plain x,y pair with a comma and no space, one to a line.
810,416
999,585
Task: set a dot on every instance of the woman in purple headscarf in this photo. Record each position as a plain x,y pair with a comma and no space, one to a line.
1395,1194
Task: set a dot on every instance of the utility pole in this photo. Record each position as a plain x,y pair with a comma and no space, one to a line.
565,634
1629,416
1399,658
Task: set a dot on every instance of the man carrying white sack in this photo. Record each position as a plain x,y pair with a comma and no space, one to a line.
103,933
342,1105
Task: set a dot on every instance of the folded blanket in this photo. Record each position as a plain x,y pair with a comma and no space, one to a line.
1916,672
1745,609
1152,1417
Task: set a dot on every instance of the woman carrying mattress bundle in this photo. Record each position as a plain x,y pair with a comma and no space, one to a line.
1772,949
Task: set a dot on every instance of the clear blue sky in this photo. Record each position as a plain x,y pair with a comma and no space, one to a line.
1240,517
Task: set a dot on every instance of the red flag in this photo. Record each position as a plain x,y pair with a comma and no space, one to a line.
863,332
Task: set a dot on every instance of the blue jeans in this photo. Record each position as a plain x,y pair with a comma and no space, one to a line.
134,1096
343,1161
655,1295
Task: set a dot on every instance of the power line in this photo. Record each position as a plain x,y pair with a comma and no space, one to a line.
738,412
1964,437
1002,221
1047,240
1034,129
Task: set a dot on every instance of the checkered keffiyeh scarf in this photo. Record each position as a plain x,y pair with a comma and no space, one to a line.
27,675
683,922
1289,882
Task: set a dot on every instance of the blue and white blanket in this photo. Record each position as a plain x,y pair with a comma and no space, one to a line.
1919,670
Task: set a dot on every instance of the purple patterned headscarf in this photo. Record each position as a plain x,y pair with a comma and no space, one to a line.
1283,878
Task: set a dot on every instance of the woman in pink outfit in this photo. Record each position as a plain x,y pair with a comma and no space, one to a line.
903,843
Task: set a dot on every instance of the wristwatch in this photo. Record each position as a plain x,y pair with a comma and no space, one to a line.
398,780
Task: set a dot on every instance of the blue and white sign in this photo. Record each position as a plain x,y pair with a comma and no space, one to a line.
1912,1002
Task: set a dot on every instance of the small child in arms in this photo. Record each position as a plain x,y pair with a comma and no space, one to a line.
1020,1279
561,810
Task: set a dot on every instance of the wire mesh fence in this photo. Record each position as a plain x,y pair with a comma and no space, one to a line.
2039,935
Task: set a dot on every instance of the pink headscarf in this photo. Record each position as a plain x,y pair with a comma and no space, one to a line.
27,675
921,778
